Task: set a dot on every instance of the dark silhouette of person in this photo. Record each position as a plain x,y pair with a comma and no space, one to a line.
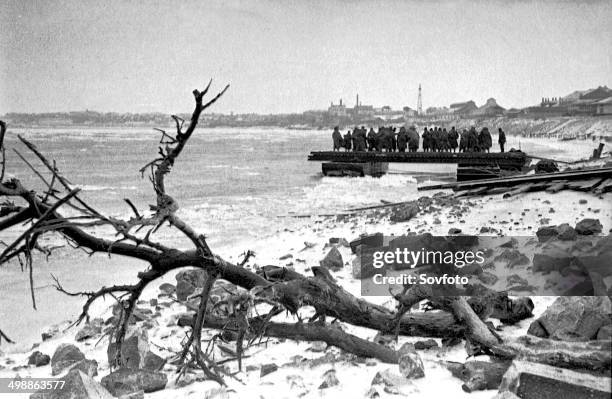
380,138
372,140
444,144
359,139
472,144
484,139
464,141
413,139
501,139
453,137
435,140
354,137
386,138
426,140
337,138
402,140
348,141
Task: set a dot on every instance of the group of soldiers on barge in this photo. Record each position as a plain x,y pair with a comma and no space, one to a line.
434,139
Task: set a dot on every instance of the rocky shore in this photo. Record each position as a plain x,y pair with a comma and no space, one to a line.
277,367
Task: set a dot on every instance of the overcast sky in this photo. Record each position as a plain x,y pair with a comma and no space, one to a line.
290,56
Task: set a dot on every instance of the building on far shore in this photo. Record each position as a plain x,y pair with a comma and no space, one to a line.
604,107
337,109
386,110
514,113
582,107
587,103
360,110
464,108
409,112
576,103
490,108
437,114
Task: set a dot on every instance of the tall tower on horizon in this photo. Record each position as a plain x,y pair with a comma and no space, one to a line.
420,103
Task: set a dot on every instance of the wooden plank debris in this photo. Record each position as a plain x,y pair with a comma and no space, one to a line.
583,175
557,186
385,205
497,190
604,187
519,190
463,193
469,193
585,185
534,380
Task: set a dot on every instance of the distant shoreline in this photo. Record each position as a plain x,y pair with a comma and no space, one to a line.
585,127
281,123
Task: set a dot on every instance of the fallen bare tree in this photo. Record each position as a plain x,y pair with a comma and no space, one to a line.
280,289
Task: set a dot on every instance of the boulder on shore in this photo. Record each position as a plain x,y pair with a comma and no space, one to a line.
53,330
566,232
136,352
372,240
339,241
536,380
126,381
512,257
187,281
65,355
77,385
488,278
167,289
333,260
89,367
37,358
573,318
563,232
427,344
596,262
410,363
393,383
91,329
404,212
329,379
551,260
363,267
267,369
589,227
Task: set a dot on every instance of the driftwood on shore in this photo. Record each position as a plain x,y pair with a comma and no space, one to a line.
590,355
304,332
479,375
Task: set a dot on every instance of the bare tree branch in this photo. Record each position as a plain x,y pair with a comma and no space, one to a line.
40,221
2,150
7,339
